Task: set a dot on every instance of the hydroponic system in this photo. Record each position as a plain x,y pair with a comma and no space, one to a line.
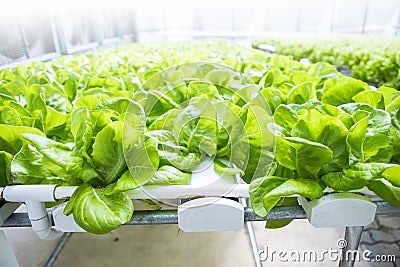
207,134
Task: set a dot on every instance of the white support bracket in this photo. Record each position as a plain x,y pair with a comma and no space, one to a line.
210,214
339,210
63,222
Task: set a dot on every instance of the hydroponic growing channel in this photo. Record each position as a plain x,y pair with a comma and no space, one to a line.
204,121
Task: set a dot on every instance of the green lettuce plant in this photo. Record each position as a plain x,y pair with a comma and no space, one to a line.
144,114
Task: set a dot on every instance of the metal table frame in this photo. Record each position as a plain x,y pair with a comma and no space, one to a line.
146,217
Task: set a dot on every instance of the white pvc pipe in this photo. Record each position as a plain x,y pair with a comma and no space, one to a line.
40,221
267,47
52,193
179,191
34,197
62,192
171,191
204,182
36,210
21,193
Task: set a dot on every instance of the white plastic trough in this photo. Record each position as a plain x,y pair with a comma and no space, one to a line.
332,210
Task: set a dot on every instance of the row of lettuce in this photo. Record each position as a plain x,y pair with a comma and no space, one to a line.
371,59
145,114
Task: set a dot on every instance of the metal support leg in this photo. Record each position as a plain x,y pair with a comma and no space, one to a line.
352,237
60,245
253,242
252,236
7,257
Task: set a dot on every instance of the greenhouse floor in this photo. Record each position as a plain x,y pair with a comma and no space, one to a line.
165,245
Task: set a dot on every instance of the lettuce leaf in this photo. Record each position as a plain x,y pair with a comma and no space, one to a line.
11,138
5,167
386,191
304,156
108,155
342,90
355,177
107,212
43,160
